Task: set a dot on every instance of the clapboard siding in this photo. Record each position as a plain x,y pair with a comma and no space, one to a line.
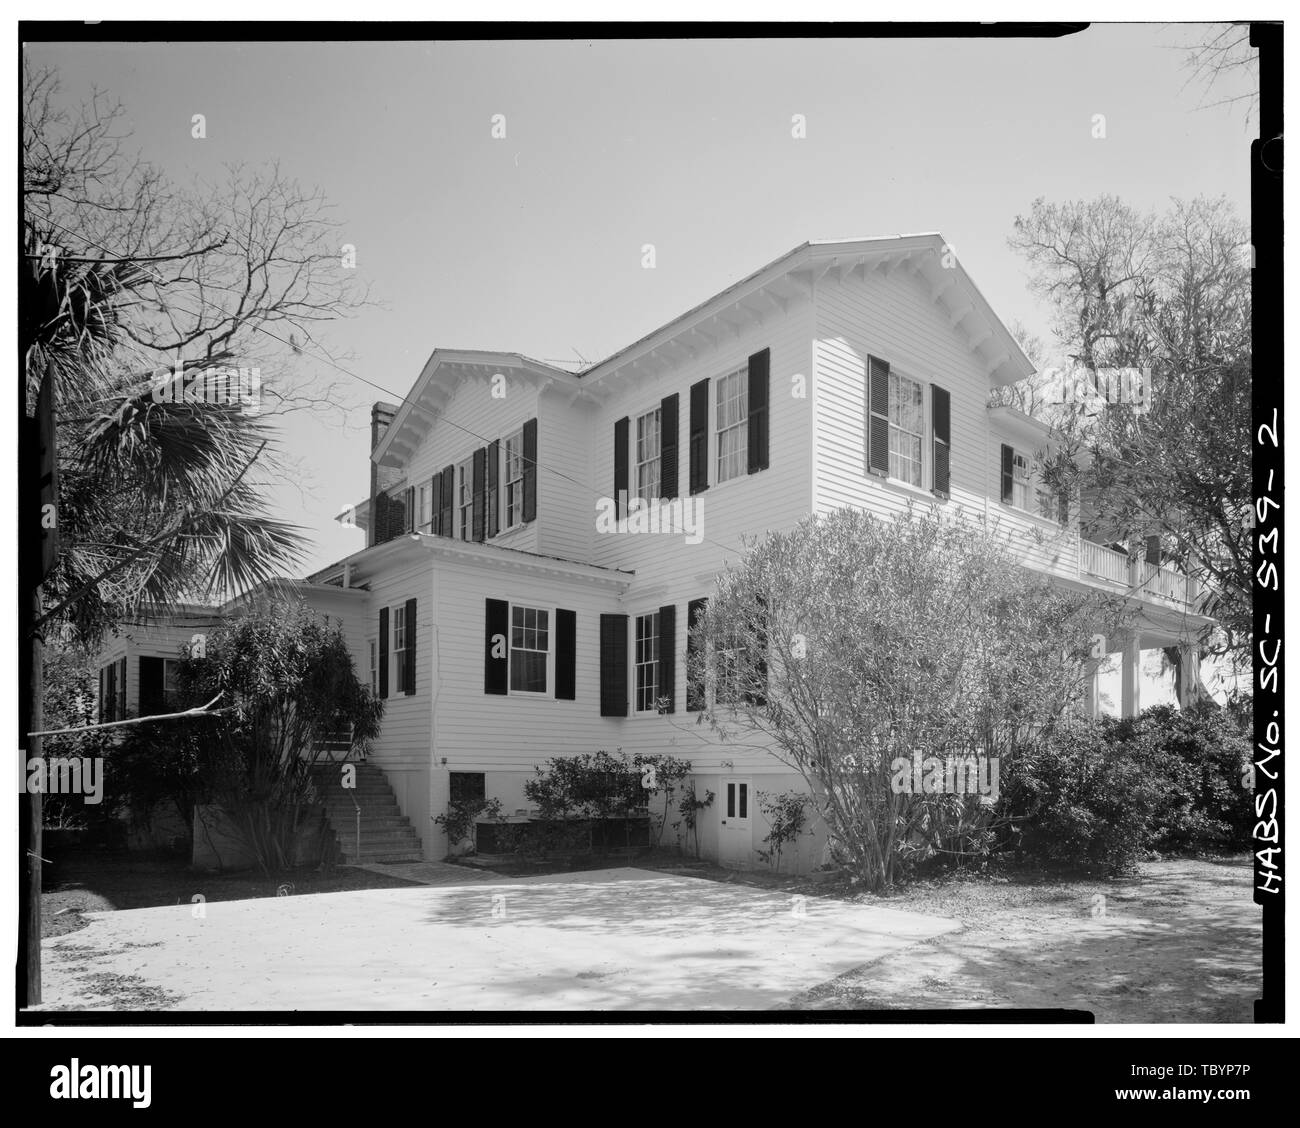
566,490
894,318
407,733
473,418
477,731
775,498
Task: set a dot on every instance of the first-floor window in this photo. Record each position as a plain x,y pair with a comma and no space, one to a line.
732,425
1021,482
530,648
399,645
906,428
465,483
647,662
514,478
112,705
728,658
171,680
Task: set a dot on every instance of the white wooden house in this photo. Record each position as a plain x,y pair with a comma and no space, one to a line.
846,373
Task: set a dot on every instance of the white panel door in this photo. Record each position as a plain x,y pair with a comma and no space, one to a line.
736,828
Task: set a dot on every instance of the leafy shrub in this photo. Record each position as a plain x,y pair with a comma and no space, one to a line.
1104,792
787,816
1206,755
1081,799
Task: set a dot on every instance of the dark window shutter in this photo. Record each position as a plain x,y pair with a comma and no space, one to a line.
408,518
941,420
409,653
694,683
1063,501
383,652
1153,549
759,394
668,456
566,654
620,466
102,702
530,470
668,656
756,675
699,438
121,689
151,686
435,505
493,502
496,671
447,501
877,404
1008,472
613,665
479,477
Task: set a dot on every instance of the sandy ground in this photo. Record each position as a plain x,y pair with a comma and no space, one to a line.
1178,942
621,939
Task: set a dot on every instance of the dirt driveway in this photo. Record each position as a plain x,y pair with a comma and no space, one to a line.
1179,942
618,940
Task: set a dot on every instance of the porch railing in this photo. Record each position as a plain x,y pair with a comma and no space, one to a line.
1104,563
1153,581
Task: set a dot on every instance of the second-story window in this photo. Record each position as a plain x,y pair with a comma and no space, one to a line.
399,645
465,497
424,515
906,429
647,455
732,426
515,480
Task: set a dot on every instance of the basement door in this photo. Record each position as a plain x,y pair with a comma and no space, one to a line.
736,828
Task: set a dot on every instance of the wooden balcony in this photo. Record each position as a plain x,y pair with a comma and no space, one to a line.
1160,583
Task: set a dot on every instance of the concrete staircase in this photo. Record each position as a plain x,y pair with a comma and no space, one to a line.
386,834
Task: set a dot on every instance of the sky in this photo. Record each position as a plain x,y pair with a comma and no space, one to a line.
533,242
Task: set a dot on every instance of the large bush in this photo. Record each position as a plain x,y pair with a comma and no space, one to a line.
851,642
1104,793
286,684
1204,755
1081,799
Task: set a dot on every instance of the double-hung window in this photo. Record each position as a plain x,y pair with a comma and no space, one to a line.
647,455
374,668
465,497
514,478
171,681
728,664
732,425
1022,483
530,648
424,518
906,429
646,660
399,645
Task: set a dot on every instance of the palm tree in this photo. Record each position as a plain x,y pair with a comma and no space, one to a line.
154,503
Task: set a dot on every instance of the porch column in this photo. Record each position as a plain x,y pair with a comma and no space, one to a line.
1092,689
1189,680
1131,675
